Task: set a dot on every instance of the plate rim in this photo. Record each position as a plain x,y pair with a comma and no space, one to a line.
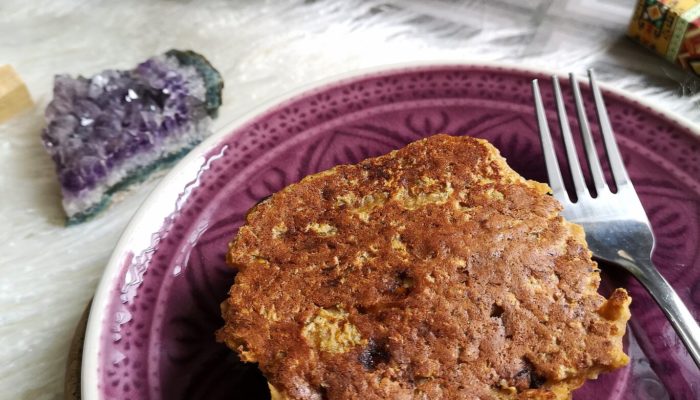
171,185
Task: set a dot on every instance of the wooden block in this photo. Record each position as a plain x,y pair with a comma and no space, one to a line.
14,96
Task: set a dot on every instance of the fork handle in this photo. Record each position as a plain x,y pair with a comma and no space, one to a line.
677,313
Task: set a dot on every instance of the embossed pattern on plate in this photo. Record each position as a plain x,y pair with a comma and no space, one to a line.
157,338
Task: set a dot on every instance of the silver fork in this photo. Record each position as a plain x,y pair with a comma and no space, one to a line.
617,228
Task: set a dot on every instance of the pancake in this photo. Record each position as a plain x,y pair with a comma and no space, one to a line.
434,271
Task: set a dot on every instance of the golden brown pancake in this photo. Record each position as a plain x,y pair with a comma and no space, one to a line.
432,272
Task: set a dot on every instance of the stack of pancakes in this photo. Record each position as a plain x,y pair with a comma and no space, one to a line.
434,271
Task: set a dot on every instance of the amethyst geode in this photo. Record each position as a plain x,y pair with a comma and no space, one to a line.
112,130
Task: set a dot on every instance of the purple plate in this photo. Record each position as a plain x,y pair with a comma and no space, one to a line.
151,329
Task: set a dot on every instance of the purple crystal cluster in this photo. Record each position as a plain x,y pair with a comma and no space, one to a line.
112,129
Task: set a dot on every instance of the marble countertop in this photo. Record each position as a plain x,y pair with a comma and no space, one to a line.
48,272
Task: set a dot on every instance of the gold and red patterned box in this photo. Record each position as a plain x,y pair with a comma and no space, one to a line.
670,28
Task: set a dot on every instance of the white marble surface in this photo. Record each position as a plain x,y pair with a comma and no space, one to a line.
48,272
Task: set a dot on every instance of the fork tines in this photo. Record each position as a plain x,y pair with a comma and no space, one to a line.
553,171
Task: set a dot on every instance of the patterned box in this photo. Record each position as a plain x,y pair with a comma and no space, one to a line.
670,28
